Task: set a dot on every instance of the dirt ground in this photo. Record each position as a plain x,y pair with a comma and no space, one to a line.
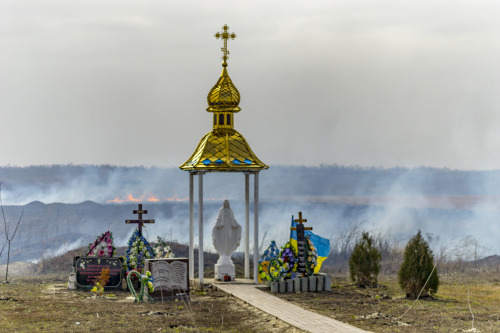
386,309
45,304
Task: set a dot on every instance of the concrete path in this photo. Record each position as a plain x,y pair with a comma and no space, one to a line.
286,311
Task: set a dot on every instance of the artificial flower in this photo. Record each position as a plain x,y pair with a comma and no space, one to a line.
138,251
103,246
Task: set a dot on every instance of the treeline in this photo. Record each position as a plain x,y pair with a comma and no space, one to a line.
465,255
46,175
343,180
277,181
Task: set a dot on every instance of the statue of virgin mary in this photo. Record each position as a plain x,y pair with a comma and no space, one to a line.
226,236
226,233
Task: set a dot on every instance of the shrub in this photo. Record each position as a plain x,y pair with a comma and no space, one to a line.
364,263
417,272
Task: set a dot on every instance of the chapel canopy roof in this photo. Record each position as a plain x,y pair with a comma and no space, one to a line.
223,151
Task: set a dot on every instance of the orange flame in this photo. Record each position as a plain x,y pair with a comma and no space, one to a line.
150,198
128,198
175,198
131,198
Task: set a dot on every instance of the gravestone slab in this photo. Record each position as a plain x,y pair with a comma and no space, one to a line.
171,278
88,269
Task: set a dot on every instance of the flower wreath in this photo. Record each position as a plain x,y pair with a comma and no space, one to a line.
270,254
138,251
146,281
162,250
277,270
290,262
311,257
102,247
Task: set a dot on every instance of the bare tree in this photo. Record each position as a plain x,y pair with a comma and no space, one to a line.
8,239
264,235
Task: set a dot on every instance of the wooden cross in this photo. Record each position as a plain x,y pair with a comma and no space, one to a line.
300,221
301,241
140,221
225,35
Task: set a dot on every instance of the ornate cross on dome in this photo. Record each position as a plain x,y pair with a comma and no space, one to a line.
225,35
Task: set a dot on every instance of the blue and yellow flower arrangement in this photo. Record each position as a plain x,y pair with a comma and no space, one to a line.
138,251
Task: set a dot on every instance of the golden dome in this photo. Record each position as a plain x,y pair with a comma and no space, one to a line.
223,97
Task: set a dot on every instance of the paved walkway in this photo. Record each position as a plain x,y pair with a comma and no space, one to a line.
286,311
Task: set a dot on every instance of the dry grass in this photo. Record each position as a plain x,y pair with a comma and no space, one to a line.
42,303
383,309
32,305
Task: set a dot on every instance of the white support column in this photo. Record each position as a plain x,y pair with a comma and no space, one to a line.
191,226
200,230
247,225
256,228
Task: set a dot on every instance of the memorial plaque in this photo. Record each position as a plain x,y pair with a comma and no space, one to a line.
89,268
171,278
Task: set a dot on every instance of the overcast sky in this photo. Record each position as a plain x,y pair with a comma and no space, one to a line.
383,83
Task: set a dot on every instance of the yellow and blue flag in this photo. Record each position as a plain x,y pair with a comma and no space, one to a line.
293,237
322,244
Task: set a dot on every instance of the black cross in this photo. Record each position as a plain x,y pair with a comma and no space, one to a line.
140,221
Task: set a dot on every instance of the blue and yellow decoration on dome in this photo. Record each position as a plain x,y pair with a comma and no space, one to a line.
223,148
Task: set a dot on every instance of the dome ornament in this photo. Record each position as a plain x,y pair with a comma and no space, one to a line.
225,35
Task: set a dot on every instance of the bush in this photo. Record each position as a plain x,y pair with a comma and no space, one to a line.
364,263
418,268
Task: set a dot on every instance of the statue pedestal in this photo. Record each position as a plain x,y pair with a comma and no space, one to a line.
224,267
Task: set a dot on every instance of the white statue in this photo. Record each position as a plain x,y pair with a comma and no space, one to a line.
226,236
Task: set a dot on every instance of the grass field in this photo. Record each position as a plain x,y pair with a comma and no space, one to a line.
386,309
42,303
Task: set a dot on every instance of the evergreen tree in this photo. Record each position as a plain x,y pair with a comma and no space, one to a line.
364,263
417,268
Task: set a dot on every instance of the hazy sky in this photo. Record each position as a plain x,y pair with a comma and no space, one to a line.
384,83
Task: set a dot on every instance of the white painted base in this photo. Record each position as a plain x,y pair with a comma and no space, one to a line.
224,269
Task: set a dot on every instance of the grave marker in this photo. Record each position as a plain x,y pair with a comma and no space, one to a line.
170,278
140,221
301,243
89,268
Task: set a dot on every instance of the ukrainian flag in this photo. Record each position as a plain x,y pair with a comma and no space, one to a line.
293,237
322,244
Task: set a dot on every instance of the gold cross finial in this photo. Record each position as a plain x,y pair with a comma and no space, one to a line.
225,35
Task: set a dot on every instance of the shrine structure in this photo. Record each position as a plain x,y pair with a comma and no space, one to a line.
223,149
